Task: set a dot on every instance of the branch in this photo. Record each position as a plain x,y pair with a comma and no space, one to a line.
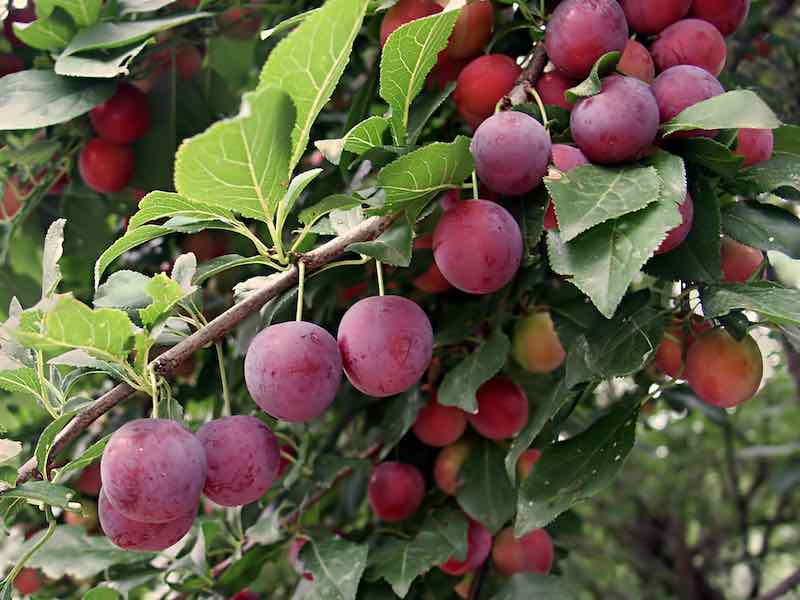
521,91
783,588
167,362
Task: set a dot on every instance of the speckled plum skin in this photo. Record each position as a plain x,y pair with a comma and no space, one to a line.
511,151
617,125
293,370
680,87
690,42
477,246
386,344
649,17
243,457
128,534
395,491
153,470
581,31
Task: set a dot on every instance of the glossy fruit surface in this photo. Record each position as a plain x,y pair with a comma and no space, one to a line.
690,42
650,17
123,118
755,145
395,491
739,262
104,166
531,553
680,87
482,84
472,30
536,346
439,425
128,534
726,15
502,409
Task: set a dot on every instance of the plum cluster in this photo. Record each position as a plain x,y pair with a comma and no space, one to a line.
153,472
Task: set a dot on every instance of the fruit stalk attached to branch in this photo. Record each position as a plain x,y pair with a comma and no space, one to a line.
521,92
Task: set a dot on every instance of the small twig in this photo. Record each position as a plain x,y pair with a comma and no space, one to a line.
170,360
520,93
783,588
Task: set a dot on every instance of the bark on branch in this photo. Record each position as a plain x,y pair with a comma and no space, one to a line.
166,363
520,93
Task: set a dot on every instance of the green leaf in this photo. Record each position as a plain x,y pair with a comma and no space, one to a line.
571,471
698,257
46,33
400,562
400,417
592,85
130,240
710,154
407,58
91,454
781,171
84,12
42,492
116,35
763,226
459,386
603,261
312,214
392,247
58,558
165,205
309,62
425,172
245,570
45,443
22,381
101,593
423,108
775,303
126,290
336,564
53,250
296,187
672,173
590,195
525,586
363,137
104,333
33,99
544,409
218,265
241,164
486,494
232,59
134,6
101,65
787,139
732,110
166,293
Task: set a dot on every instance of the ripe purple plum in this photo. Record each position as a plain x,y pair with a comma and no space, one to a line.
128,534
726,15
690,42
477,246
479,545
648,17
552,87
404,12
511,151
637,62
482,84
722,371
386,344
617,125
532,553
438,425
395,491
755,145
536,346
502,409
472,30
243,458
680,87
581,31
526,461
447,468
293,370
153,470
564,158
739,262
89,481
677,235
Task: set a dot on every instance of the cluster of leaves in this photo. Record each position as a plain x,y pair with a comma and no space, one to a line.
238,177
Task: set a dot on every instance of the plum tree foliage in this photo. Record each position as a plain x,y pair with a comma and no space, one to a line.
348,289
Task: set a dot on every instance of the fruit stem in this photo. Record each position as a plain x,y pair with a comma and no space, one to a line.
51,527
301,285
532,91
379,270
223,377
474,185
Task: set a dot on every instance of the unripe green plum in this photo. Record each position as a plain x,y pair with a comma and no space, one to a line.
532,553
722,371
536,346
739,262
448,465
